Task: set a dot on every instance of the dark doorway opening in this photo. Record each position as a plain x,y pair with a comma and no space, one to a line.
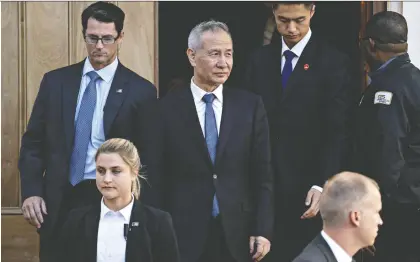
337,22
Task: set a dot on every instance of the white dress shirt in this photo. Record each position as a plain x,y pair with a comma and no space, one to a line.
338,251
102,89
200,105
111,241
297,50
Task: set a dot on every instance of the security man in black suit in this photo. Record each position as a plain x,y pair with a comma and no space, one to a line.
305,86
77,108
388,135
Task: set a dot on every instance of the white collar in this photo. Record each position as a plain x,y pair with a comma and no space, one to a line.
106,73
125,212
338,251
299,47
198,93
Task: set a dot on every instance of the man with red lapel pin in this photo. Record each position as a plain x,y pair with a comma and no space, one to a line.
306,88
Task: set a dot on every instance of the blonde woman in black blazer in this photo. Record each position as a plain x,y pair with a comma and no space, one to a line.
119,228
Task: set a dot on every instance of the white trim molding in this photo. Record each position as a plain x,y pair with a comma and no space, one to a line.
396,6
411,11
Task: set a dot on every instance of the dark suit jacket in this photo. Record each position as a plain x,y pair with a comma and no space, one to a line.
241,175
48,141
308,118
154,240
316,251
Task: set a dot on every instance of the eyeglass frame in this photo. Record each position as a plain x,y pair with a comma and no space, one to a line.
101,39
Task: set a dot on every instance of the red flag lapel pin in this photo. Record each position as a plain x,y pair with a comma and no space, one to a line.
306,67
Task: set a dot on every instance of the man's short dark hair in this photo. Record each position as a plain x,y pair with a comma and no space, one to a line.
308,4
106,13
387,27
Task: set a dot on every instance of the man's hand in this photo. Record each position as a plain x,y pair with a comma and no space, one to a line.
32,209
312,199
263,247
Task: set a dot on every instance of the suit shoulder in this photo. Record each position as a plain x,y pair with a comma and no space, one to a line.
311,253
243,94
262,51
326,49
173,96
58,72
155,213
137,79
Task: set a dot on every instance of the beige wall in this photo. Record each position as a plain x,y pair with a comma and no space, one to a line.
38,37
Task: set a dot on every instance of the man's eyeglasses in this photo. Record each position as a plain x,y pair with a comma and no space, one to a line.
106,40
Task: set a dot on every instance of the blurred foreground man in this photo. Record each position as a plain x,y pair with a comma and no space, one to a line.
388,137
349,206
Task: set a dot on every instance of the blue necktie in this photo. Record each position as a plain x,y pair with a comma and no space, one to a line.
287,68
210,128
83,130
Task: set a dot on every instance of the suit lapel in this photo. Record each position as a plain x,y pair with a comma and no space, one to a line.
71,87
325,248
189,117
302,67
227,122
138,239
91,227
116,95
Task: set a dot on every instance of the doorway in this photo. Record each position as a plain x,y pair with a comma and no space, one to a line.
337,22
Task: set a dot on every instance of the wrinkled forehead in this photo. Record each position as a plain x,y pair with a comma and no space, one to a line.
219,40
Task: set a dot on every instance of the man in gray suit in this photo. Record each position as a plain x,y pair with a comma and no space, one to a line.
349,207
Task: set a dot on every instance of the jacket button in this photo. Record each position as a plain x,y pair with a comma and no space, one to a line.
214,176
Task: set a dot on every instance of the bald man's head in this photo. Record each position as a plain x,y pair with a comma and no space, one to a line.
350,204
344,193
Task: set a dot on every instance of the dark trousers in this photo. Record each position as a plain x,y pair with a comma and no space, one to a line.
291,233
83,194
216,249
399,237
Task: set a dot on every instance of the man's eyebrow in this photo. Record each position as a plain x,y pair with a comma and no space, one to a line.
286,18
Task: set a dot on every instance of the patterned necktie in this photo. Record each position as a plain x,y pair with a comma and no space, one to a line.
287,68
83,130
210,128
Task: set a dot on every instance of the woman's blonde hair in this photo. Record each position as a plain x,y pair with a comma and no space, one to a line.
128,152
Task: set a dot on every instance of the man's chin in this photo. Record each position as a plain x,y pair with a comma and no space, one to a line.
292,41
220,80
99,60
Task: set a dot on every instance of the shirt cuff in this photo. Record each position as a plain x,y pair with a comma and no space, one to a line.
317,188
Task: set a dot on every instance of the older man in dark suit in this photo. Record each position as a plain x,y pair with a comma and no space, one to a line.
215,153
304,83
349,206
77,108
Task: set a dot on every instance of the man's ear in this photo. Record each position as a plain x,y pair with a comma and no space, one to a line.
191,56
355,217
